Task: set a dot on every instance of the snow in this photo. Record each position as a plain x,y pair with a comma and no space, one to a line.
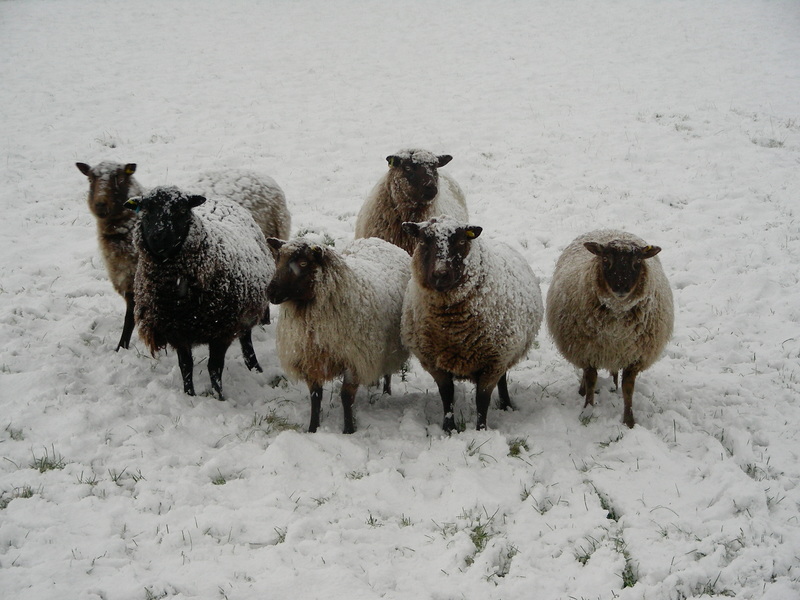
677,121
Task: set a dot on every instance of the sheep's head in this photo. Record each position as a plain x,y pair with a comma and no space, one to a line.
443,244
109,186
622,264
296,266
165,215
415,174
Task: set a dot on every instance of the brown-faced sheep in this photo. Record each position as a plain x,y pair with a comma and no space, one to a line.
412,189
111,184
339,315
472,310
202,277
609,306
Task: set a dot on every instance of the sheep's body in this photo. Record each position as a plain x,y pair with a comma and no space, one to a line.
111,184
594,328
478,328
396,199
347,322
208,286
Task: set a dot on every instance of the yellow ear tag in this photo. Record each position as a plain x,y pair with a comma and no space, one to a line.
470,233
129,172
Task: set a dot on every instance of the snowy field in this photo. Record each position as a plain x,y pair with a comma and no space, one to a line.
678,121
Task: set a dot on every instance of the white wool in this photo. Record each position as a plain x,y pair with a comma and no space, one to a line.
355,317
598,329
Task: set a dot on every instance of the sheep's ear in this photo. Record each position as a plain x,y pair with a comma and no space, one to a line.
472,231
444,159
195,201
130,168
275,243
393,160
594,248
84,168
133,203
412,229
650,251
317,252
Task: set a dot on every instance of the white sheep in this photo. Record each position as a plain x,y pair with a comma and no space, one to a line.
472,310
339,315
412,189
112,184
609,306
202,277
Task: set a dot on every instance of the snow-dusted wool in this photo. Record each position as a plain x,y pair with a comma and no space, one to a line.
411,190
339,315
204,267
110,185
609,306
472,310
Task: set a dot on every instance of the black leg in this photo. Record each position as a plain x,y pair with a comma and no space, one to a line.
502,389
587,385
349,389
216,362
628,380
186,365
316,406
250,360
265,319
127,326
484,386
387,384
444,381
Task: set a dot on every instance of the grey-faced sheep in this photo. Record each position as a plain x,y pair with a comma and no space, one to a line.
609,306
412,189
112,184
472,310
339,315
202,277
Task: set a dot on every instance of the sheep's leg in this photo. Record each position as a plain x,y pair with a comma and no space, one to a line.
186,365
483,396
127,326
349,389
628,379
315,390
387,384
265,319
587,385
216,361
250,360
615,377
446,386
502,389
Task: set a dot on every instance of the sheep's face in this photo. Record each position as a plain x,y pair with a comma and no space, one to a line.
443,245
165,215
296,266
622,264
109,184
416,174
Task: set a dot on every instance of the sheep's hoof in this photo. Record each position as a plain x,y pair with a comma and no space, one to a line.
449,424
348,429
628,419
587,414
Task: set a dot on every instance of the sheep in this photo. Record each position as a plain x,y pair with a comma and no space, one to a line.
111,184
411,190
472,310
339,315
609,306
202,277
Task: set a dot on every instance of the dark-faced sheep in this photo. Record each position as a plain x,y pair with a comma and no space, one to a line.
412,189
339,315
112,184
609,306
472,310
202,278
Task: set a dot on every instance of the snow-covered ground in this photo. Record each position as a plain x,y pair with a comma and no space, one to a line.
676,120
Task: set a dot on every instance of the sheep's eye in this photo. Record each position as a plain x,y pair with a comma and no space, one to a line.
303,264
